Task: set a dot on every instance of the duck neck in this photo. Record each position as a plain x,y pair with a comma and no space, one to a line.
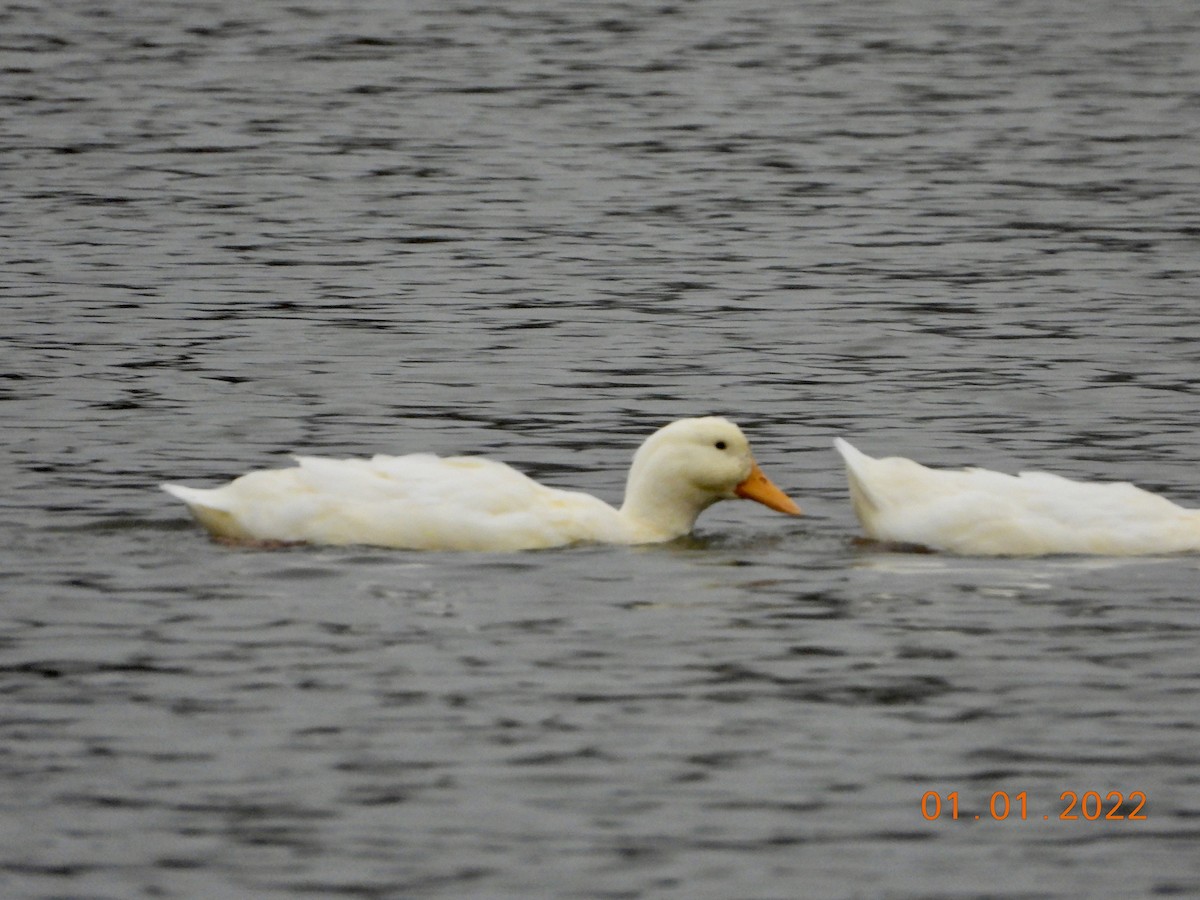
657,508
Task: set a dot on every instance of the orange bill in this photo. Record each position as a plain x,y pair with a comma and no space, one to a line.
758,487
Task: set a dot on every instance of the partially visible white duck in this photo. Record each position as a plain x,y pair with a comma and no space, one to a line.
426,502
979,512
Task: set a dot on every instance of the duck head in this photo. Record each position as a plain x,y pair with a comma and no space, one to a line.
685,467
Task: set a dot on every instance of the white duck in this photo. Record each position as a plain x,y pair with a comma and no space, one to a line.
985,513
426,502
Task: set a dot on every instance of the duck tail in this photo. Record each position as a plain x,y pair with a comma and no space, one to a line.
219,522
190,496
865,504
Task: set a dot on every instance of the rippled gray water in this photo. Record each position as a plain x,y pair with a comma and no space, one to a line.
963,232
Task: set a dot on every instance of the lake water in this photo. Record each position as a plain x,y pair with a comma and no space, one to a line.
963,232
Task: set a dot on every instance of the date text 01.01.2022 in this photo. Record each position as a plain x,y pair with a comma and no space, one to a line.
1090,805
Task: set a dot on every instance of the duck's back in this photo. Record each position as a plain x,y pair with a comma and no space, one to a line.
419,501
978,511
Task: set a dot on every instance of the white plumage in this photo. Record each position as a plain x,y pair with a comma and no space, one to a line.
422,501
981,512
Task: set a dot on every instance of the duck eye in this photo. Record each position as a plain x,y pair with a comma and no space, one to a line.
720,445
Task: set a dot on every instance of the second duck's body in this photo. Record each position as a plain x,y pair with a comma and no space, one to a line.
981,512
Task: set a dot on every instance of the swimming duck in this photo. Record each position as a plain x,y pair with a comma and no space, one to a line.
422,501
986,513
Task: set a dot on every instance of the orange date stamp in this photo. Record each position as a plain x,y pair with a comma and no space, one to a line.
1090,806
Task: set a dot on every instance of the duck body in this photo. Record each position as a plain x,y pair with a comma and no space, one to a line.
422,501
986,513
419,501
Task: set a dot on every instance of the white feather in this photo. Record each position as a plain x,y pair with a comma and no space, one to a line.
981,512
